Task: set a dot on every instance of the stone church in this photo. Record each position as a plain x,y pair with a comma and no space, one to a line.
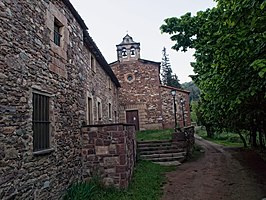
54,82
143,100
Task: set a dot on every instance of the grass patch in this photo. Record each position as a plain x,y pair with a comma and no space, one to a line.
225,139
146,184
165,134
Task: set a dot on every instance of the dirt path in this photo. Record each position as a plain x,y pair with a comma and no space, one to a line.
220,174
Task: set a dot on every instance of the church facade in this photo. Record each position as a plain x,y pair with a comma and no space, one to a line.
143,100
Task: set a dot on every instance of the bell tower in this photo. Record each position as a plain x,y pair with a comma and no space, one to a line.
128,49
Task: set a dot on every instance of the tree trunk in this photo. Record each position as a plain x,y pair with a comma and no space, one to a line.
243,140
261,135
209,130
253,135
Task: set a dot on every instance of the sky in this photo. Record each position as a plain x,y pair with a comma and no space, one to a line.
110,20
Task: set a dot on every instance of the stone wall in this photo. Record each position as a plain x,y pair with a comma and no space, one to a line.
183,138
168,107
109,151
29,61
141,93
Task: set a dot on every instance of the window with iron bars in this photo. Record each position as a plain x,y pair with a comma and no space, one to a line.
57,35
41,122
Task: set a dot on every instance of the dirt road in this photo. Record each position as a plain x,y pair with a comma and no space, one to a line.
220,174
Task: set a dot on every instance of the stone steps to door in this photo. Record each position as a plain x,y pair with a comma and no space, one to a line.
162,152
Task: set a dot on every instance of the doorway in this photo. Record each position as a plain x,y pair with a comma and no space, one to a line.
132,117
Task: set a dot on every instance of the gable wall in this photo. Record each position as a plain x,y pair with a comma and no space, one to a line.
142,93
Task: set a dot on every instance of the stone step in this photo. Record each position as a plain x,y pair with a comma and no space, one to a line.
166,155
152,148
167,159
154,144
170,163
154,141
159,151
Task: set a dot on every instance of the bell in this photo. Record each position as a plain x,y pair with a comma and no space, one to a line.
124,53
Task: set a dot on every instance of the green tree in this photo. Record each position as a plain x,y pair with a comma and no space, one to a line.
193,89
230,67
167,74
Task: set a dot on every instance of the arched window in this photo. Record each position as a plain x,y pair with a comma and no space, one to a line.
132,52
124,53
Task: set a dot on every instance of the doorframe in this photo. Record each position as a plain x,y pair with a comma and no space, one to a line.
137,118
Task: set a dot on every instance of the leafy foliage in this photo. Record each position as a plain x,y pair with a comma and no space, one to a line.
230,67
167,74
193,89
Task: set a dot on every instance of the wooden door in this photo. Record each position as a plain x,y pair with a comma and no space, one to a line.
132,117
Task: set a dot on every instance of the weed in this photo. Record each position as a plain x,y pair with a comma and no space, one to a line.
146,184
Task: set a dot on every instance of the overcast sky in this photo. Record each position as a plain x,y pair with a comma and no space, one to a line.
110,20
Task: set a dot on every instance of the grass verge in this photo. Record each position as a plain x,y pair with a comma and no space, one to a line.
155,135
225,139
146,184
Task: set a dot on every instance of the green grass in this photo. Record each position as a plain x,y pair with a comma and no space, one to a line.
155,135
225,139
146,184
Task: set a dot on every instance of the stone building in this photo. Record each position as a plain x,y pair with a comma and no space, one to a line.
143,100
53,79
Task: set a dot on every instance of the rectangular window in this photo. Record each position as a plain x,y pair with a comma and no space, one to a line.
89,111
99,111
57,35
93,65
109,83
110,111
41,122
115,116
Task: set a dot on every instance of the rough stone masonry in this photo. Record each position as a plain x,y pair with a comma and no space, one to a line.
72,75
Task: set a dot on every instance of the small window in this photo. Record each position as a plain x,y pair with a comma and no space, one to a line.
109,83
99,110
89,110
93,65
41,122
130,78
115,116
110,111
57,29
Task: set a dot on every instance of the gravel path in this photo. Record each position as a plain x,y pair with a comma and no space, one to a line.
220,174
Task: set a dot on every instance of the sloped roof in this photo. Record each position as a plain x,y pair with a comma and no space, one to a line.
174,88
91,45
140,60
